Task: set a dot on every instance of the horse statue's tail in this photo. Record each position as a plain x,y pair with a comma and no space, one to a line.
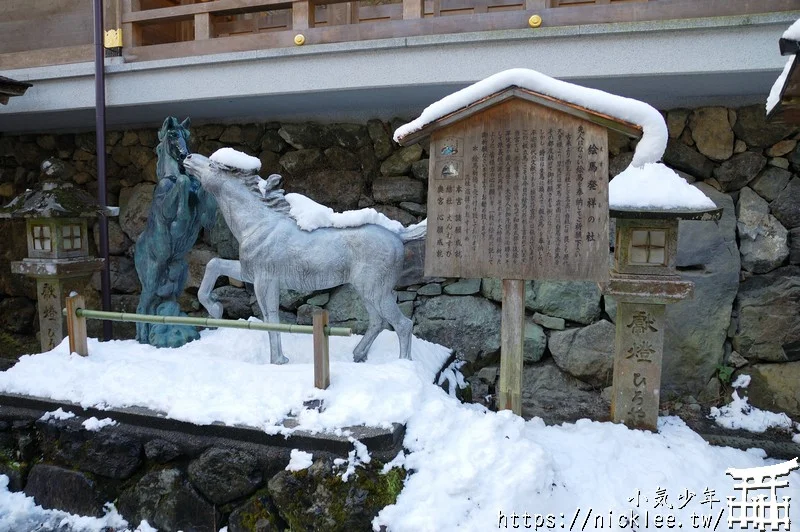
414,232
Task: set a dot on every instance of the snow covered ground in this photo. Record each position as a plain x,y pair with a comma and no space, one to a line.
740,414
473,469
19,513
221,378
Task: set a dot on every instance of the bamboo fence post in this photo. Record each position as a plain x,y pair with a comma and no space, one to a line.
322,370
76,325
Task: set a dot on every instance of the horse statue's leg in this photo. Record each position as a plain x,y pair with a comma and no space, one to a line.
376,325
388,308
268,296
215,268
383,301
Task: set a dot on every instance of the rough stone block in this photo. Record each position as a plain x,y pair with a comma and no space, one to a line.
58,488
224,475
467,324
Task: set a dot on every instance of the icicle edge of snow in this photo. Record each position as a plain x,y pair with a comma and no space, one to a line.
649,149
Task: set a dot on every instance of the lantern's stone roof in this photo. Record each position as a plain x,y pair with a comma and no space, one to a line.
10,87
53,200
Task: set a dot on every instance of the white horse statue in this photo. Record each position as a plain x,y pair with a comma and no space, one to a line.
275,253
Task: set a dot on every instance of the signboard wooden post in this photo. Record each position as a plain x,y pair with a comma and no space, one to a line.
518,190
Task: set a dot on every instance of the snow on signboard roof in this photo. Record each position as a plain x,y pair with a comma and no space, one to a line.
649,150
646,184
655,186
776,92
793,32
777,87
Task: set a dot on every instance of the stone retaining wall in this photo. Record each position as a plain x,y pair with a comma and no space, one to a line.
189,483
745,314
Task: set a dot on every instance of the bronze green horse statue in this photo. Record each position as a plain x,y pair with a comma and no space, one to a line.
179,210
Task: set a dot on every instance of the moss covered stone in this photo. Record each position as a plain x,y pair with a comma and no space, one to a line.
318,499
15,470
258,514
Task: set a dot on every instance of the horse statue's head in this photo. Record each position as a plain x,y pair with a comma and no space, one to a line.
173,146
206,169
213,174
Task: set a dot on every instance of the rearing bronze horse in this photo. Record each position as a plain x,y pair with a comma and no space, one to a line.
180,208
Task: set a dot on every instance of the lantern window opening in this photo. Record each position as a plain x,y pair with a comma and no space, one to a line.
648,247
42,237
71,237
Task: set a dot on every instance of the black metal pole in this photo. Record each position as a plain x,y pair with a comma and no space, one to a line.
100,128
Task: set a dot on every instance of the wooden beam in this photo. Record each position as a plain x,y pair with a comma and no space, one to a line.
202,26
112,15
70,29
339,14
131,33
49,56
31,10
302,15
413,9
217,7
531,5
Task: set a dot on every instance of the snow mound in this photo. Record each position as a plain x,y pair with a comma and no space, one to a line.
94,425
739,414
311,215
649,149
742,381
474,469
208,381
236,159
59,413
655,186
299,460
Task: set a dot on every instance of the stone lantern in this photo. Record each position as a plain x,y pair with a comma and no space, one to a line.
56,225
643,281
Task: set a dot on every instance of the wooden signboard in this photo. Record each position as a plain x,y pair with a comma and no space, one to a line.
518,191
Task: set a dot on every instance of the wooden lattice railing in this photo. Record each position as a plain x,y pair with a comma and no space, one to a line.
157,29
